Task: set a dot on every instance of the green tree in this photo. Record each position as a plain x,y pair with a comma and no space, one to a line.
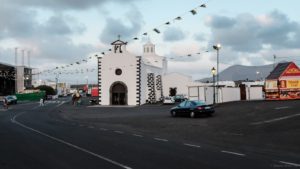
48,89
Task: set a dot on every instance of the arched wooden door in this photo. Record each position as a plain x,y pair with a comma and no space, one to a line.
118,94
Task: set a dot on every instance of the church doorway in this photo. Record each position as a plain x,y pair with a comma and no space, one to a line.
118,94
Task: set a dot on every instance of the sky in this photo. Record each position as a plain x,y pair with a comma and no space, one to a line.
60,32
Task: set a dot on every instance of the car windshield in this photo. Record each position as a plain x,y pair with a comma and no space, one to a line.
198,103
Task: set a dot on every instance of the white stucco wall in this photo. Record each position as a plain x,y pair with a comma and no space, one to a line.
127,63
207,94
229,94
254,93
177,80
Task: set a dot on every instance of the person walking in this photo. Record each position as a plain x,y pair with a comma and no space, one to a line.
41,102
5,103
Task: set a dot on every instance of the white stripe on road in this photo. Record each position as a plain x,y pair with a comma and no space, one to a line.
277,119
161,139
13,120
291,164
234,153
137,135
60,104
192,145
91,127
285,107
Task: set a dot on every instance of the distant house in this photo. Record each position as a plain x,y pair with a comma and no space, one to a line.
283,83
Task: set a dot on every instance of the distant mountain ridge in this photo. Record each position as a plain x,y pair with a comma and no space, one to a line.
241,72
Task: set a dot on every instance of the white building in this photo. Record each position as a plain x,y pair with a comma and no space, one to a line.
127,79
176,81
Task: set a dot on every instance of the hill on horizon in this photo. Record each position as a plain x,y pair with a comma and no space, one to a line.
244,73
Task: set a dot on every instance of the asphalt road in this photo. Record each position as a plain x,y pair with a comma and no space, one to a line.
59,135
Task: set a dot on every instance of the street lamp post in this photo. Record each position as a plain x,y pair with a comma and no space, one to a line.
213,72
217,48
257,76
56,81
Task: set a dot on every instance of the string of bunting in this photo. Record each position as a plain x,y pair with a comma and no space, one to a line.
156,30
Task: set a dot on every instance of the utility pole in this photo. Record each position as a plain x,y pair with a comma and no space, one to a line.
16,72
23,55
274,57
28,58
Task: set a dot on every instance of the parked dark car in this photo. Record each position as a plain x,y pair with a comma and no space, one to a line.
192,109
11,99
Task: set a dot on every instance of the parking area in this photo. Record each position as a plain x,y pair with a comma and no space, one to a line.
265,125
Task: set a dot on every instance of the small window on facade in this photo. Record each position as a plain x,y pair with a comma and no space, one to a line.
151,50
118,71
147,50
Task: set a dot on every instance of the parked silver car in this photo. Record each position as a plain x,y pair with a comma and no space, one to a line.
11,99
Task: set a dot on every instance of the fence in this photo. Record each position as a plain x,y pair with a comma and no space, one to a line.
224,94
31,96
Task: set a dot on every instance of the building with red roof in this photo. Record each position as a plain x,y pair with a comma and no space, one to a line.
283,83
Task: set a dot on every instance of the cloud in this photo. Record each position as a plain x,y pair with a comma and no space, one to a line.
200,37
248,33
115,27
49,40
16,22
173,34
58,4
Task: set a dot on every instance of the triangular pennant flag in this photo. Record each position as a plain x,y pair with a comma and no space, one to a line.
178,18
194,12
145,33
156,30
103,53
135,38
203,6
167,23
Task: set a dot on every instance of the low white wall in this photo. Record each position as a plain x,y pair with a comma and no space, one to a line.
229,94
226,94
254,93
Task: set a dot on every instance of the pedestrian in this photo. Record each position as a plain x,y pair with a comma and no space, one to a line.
73,99
41,102
5,103
45,97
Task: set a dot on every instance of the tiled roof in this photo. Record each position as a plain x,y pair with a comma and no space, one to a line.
278,70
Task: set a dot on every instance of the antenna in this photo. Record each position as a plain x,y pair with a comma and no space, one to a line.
28,58
274,56
16,56
23,55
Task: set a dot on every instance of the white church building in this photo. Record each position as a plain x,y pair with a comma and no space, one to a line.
127,79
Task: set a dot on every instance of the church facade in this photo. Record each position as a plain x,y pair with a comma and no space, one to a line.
127,79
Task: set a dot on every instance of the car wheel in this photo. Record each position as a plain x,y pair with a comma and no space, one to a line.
192,114
173,114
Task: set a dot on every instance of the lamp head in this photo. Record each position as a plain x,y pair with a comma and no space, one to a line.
217,47
213,71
